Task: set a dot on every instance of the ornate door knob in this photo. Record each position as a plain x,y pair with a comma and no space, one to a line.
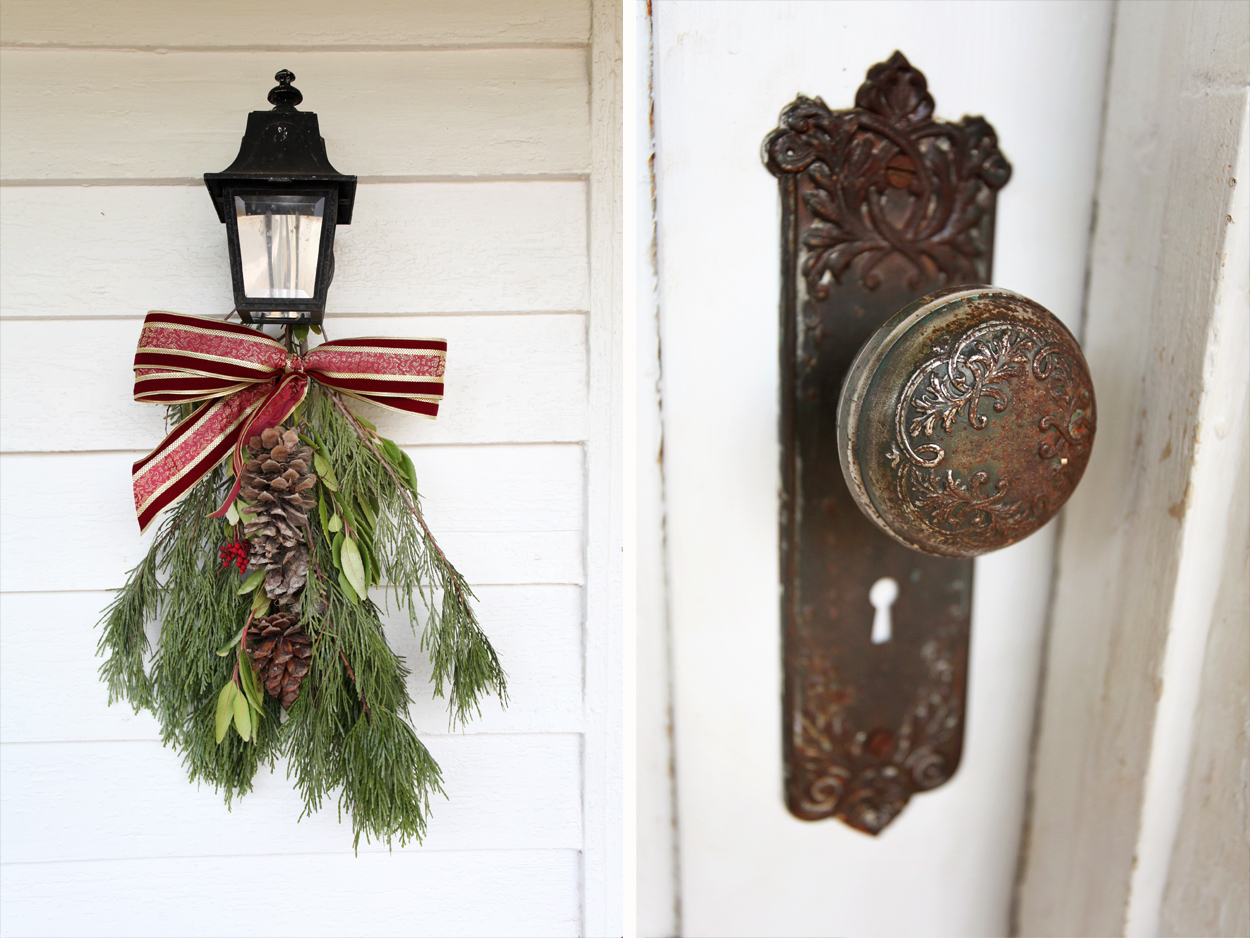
966,421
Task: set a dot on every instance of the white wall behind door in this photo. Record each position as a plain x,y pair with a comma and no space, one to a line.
723,71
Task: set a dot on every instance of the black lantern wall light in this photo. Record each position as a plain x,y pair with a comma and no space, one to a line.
278,509
280,201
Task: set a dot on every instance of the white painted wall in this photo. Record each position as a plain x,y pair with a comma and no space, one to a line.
723,71
485,214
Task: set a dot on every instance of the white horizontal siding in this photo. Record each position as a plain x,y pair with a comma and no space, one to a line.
468,123
104,114
510,379
512,792
471,892
244,23
72,252
535,629
503,514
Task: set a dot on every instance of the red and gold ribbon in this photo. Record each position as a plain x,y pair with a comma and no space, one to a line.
254,383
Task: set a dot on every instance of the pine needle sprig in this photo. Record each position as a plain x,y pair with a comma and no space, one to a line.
202,610
380,795
464,662
124,638
347,735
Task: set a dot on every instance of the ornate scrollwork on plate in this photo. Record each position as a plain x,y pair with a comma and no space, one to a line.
880,204
980,366
867,776
887,180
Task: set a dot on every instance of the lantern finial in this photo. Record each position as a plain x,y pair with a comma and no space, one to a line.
284,95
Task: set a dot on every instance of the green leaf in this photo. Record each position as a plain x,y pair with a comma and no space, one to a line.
323,512
366,541
367,423
247,677
364,560
393,453
225,649
252,582
242,715
371,561
260,604
366,511
411,471
348,515
225,701
336,547
232,514
336,524
347,590
325,472
300,333
243,508
354,567
316,329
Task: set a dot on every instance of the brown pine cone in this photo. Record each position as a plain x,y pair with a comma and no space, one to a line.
276,484
281,654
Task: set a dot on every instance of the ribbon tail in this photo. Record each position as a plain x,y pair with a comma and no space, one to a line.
280,404
399,374
190,452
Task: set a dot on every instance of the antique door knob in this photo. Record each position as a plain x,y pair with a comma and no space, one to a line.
966,421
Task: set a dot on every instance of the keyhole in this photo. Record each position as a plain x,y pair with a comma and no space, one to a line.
882,596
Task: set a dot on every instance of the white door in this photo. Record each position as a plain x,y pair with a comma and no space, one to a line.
721,74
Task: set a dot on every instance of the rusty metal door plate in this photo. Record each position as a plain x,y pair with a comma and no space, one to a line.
881,204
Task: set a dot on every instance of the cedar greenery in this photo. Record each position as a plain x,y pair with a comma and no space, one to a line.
347,733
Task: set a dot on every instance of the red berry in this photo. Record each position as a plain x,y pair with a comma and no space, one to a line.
235,553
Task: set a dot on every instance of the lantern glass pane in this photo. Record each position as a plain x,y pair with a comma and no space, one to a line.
279,239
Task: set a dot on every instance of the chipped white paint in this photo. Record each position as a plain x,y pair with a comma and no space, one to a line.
1139,560
1219,442
656,832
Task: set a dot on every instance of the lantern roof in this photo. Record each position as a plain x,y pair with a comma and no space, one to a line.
282,149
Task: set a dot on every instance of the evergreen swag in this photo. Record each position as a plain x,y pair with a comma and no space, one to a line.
229,657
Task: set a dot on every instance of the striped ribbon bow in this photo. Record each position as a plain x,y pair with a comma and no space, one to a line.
254,383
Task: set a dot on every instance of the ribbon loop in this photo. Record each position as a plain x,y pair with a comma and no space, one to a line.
253,383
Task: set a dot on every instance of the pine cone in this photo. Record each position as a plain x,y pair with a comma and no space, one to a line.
281,653
276,484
